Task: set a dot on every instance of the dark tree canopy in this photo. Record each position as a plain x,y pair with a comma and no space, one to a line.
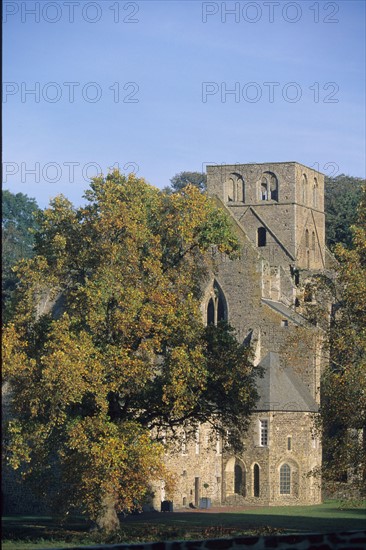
18,221
179,181
342,197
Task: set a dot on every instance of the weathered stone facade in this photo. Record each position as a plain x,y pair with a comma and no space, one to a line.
278,212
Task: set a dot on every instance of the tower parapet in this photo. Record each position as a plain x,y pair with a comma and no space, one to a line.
281,207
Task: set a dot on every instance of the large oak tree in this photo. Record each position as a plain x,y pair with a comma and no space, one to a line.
107,347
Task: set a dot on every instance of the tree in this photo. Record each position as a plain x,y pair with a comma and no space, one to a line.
342,197
181,180
344,382
18,221
107,347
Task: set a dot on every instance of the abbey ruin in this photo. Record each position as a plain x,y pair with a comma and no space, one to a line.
278,213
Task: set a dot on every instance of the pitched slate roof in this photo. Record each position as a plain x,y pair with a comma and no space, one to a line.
286,312
281,389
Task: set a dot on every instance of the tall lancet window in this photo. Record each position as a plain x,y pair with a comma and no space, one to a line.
315,193
216,306
264,189
268,187
274,188
235,188
230,190
304,189
240,189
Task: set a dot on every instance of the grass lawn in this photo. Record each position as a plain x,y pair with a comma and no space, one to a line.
26,533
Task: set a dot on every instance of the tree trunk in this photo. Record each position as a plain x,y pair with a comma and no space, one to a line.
108,520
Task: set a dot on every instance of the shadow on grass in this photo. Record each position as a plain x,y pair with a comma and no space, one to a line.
326,518
334,521
43,527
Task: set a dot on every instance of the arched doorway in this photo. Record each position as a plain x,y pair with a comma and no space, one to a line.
235,477
238,479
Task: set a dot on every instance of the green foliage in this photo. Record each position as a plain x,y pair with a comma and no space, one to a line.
181,180
18,221
225,396
344,382
342,197
107,342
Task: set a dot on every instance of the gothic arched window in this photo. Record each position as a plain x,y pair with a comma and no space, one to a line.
211,312
315,193
216,307
221,313
268,187
235,188
264,189
307,238
304,189
285,479
274,187
256,481
230,190
240,190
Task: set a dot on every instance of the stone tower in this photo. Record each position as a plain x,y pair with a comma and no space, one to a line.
281,206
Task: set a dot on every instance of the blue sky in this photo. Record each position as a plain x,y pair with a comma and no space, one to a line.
149,88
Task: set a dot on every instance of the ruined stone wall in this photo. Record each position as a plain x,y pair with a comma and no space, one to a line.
251,175
243,283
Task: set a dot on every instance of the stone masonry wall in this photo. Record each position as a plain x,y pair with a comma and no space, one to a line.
195,462
299,206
